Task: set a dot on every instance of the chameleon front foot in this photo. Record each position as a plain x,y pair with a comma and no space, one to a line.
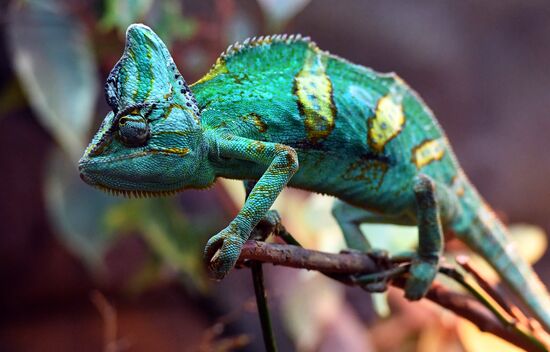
222,251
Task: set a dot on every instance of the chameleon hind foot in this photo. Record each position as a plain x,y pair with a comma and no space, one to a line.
422,274
376,282
424,265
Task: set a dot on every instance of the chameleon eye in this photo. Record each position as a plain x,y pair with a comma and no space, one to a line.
133,131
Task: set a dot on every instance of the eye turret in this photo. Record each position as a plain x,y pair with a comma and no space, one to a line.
133,130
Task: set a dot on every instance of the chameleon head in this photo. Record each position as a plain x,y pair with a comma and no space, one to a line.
152,141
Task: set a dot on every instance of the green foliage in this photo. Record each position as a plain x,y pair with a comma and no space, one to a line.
122,13
167,231
166,16
171,24
279,12
11,98
52,56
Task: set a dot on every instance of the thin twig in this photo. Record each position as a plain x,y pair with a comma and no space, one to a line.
299,257
458,277
263,309
509,322
353,264
109,316
464,262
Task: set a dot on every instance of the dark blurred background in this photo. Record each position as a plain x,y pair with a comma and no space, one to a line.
84,271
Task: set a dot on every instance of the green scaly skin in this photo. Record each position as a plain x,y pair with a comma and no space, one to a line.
361,136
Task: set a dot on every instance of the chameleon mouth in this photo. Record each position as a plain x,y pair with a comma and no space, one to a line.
137,193
127,193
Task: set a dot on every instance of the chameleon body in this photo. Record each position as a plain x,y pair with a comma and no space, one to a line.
279,111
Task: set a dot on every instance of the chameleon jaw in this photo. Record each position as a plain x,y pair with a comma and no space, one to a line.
137,193
129,193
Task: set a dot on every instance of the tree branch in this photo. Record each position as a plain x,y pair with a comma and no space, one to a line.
336,265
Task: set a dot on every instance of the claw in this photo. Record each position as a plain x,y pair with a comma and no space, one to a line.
222,251
376,287
215,257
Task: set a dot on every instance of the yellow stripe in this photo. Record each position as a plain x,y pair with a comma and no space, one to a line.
313,89
178,151
218,69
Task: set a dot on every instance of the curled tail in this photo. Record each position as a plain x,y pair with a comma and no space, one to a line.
489,237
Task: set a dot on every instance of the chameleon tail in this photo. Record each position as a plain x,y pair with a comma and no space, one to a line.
489,237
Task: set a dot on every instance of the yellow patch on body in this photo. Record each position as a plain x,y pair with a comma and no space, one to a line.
428,151
178,151
458,184
256,120
181,107
387,122
256,147
218,69
313,89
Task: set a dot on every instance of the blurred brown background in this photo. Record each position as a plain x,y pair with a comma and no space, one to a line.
481,66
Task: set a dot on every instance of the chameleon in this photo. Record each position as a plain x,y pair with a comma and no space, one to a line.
277,111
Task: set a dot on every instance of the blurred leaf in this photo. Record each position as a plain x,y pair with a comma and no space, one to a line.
475,340
165,228
380,304
531,241
440,334
77,211
392,238
122,13
52,56
240,27
234,189
170,23
144,278
308,306
11,97
166,17
279,12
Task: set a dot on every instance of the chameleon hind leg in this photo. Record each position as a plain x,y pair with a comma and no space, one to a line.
430,239
426,261
349,218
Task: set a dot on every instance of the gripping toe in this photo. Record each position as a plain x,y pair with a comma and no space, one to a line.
422,274
222,251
